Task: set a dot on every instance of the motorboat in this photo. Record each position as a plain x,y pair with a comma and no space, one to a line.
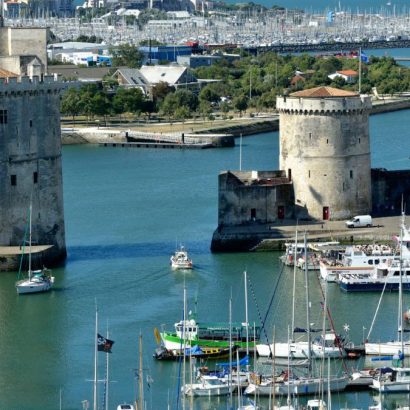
209,353
361,260
180,259
125,406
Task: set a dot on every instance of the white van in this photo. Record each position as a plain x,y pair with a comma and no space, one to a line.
359,221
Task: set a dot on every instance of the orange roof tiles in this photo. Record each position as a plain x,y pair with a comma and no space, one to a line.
348,72
5,74
323,92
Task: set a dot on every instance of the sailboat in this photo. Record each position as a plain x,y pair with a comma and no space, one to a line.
287,381
397,346
37,280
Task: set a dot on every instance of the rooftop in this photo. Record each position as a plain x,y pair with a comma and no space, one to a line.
323,92
6,73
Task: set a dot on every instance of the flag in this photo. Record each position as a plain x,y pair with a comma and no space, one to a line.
104,345
364,57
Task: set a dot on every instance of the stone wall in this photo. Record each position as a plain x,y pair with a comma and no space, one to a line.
325,150
389,190
253,197
30,163
23,41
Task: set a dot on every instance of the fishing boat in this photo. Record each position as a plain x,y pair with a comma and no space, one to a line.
37,280
180,259
190,333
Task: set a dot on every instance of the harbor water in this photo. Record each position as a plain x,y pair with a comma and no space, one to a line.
126,210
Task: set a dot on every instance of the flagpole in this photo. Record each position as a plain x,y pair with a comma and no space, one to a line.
360,70
107,356
95,357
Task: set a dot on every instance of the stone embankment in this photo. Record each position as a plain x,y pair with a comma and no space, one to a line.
268,237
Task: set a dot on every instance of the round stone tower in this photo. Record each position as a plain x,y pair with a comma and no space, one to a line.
325,151
30,168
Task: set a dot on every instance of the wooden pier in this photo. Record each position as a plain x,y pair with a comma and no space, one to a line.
163,145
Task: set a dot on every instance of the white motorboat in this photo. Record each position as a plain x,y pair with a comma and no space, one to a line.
125,406
392,380
361,259
181,260
208,386
38,280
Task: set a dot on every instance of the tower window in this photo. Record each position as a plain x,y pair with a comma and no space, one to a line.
351,174
290,174
3,116
327,141
309,173
35,177
31,123
253,214
310,135
13,180
359,140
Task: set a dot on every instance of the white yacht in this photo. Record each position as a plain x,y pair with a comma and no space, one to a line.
181,260
208,386
392,380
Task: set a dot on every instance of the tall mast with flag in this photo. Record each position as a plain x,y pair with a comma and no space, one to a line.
95,404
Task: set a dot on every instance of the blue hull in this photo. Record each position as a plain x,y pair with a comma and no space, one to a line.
372,287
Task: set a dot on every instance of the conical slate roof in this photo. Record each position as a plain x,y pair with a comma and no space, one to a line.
323,92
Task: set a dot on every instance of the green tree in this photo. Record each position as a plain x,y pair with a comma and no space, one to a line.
126,55
71,103
240,103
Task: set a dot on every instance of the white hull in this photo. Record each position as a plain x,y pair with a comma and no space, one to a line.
33,285
298,387
297,350
388,348
331,273
200,390
391,387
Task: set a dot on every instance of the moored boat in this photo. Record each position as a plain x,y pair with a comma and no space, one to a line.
209,353
192,333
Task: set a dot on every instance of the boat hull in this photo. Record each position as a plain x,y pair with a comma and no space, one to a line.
388,348
173,342
297,350
371,286
31,286
298,387
198,390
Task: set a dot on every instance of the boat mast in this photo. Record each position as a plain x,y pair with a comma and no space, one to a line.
140,376
107,381
184,347
230,353
95,404
307,309
294,285
246,313
401,288
29,244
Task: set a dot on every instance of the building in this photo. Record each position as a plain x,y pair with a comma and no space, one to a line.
30,147
166,53
131,78
325,151
350,76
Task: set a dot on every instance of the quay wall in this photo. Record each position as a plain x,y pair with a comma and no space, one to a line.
336,46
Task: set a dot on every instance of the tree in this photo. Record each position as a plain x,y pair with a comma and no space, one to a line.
126,55
240,103
71,103
205,108
160,91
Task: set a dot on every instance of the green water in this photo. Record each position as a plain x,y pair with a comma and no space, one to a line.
125,212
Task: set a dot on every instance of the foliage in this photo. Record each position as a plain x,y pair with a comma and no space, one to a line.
126,55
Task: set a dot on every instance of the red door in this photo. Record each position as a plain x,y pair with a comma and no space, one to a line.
326,213
281,212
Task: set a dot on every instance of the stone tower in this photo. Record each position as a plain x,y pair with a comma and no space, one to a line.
30,150
325,151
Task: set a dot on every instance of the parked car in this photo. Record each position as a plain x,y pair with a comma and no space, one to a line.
359,221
